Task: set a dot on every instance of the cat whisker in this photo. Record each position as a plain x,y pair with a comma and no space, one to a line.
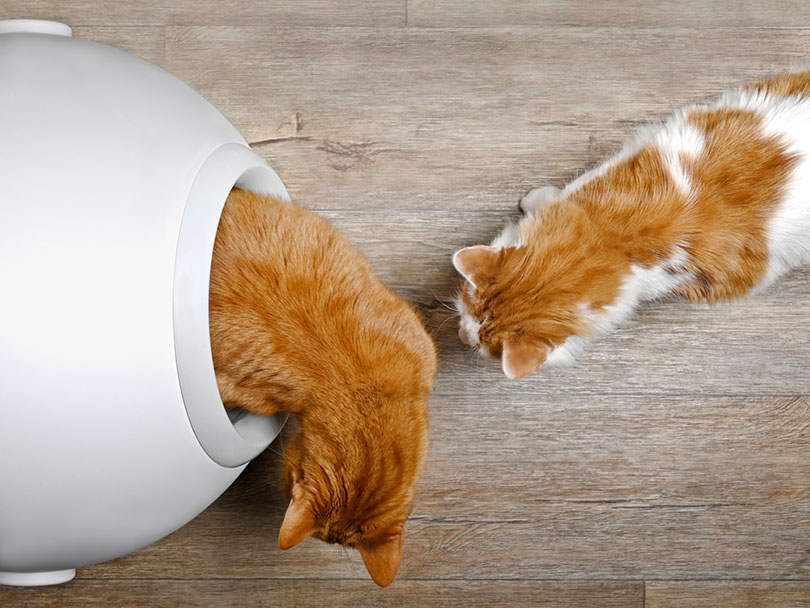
273,450
443,303
442,324
446,305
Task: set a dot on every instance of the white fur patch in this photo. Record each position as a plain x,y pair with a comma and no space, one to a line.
644,285
467,325
677,139
788,230
631,147
640,285
566,353
539,197
509,237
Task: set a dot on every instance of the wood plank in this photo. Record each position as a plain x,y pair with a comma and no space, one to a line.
336,594
558,488
740,594
758,345
456,119
416,142
280,13
437,170
148,43
635,13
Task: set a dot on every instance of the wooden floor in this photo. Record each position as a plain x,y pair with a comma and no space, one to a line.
671,467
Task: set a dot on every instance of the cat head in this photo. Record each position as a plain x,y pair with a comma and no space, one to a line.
355,491
533,302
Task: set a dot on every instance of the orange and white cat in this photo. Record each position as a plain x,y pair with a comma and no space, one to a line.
710,205
300,324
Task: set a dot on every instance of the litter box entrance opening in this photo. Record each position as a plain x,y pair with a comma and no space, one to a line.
229,437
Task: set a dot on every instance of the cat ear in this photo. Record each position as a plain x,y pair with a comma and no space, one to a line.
299,521
474,262
382,561
521,358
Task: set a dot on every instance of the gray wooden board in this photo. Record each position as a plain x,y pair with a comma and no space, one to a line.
564,488
321,593
148,43
673,453
743,594
759,344
441,120
630,14
420,146
351,13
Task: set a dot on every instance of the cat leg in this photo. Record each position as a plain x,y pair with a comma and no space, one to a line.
538,198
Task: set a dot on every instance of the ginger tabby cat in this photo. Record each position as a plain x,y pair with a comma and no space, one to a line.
300,324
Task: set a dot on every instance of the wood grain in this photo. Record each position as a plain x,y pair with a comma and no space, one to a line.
635,13
412,171
559,488
759,344
670,462
148,42
335,594
299,13
440,120
740,594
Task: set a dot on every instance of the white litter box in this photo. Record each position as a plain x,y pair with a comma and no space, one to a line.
113,176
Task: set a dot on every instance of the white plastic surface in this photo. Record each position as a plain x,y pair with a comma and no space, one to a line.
99,151
36,579
34,26
228,444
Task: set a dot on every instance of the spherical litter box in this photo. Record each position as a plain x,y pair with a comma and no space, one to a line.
114,176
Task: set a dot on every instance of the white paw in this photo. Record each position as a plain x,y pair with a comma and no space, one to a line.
538,198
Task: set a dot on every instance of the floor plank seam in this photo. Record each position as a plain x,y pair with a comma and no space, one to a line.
455,579
708,396
123,26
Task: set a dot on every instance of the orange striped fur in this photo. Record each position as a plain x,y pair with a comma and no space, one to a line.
300,324
700,207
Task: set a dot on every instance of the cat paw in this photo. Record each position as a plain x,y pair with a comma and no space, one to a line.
538,198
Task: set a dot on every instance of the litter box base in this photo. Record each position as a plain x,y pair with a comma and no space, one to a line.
36,579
